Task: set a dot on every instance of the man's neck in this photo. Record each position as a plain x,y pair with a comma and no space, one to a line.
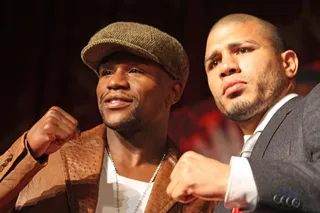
247,127
140,148
137,157
259,121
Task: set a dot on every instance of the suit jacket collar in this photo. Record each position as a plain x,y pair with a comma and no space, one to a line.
269,131
83,161
82,168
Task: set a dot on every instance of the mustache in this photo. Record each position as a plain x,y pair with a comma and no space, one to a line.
105,94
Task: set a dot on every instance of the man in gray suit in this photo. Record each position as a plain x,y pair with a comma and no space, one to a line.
251,77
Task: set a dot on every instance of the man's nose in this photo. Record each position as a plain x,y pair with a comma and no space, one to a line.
229,66
118,80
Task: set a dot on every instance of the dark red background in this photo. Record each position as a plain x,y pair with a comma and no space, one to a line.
41,66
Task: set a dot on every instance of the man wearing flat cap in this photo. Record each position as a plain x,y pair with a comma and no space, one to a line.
122,165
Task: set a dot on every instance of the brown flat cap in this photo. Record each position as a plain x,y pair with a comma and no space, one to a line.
141,40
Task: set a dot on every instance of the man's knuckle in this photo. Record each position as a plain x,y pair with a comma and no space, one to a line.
76,123
50,120
54,108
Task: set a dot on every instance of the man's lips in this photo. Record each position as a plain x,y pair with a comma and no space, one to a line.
232,87
117,101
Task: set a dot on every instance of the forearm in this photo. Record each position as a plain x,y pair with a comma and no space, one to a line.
17,168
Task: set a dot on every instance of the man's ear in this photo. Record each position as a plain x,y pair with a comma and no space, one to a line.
175,93
290,63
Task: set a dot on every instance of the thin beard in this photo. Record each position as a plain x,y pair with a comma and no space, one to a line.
245,110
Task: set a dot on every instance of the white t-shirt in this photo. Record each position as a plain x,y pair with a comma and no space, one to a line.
130,191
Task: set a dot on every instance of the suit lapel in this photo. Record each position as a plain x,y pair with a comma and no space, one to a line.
271,128
159,201
83,160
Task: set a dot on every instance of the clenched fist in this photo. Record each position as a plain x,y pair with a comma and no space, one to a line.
196,176
50,133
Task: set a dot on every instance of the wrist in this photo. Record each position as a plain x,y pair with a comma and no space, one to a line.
225,181
40,159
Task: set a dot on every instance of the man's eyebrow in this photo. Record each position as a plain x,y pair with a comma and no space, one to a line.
211,56
236,44
231,45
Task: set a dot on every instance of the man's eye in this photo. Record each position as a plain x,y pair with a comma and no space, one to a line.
243,50
105,72
213,64
135,70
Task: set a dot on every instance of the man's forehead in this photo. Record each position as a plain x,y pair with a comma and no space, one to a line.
235,30
234,33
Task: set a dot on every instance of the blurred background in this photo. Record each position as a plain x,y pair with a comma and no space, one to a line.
41,65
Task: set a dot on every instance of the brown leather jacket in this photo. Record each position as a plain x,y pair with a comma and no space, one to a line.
69,182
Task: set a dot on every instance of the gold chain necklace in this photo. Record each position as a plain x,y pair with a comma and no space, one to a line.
147,188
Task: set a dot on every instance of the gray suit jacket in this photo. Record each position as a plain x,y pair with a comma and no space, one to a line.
286,158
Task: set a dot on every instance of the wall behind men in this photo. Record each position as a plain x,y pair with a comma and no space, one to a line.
42,40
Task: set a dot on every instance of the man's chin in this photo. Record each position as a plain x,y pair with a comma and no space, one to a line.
240,110
123,125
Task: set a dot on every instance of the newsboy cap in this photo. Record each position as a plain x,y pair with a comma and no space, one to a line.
141,40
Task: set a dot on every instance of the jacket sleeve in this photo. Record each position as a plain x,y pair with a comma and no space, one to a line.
293,186
17,168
